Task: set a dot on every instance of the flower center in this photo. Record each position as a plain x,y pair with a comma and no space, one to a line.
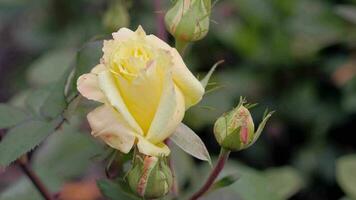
129,60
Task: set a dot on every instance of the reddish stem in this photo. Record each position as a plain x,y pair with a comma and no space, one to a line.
35,179
224,155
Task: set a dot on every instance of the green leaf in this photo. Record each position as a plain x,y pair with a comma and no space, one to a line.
225,182
252,185
10,116
56,164
115,191
87,58
190,142
50,67
23,138
262,125
345,174
35,99
56,103
206,79
284,181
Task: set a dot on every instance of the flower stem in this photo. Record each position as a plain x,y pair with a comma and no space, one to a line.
175,188
181,46
34,179
224,155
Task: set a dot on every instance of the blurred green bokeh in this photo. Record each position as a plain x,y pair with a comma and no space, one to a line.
297,57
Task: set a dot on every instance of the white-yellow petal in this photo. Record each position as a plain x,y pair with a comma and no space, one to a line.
169,113
109,87
88,86
123,34
192,89
98,68
146,147
110,126
142,95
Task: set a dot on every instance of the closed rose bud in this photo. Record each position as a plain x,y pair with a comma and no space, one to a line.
116,16
235,130
188,20
150,177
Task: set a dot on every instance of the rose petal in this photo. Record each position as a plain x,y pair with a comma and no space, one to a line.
123,34
192,89
98,68
109,87
88,86
111,127
142,95
146,147
169,113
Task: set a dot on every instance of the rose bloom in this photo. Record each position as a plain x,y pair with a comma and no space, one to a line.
145,88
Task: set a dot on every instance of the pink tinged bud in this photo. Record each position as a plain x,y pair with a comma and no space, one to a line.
244,134
150,177
148,164
235,130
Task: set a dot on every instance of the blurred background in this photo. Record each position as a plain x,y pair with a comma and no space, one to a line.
297,57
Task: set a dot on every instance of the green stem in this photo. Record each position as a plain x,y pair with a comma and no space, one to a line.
224,155
181,46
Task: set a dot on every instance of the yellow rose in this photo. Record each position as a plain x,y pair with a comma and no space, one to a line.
145,88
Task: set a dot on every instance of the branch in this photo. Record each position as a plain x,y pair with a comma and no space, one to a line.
224,155
22,162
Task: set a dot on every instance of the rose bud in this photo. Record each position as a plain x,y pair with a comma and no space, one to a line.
235,130
150,177
188,20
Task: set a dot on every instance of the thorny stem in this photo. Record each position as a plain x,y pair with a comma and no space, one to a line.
22,162
224,155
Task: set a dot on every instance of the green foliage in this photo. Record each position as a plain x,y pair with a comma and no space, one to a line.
284,181
65,156
284,54
345,174
224,182
23,138
50,67
115,190
87,58
10,116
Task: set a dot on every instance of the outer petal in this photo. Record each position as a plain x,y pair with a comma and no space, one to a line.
142,95
123,34
169,113
110,89
192,89
98,68
88,85
110,126
146,147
